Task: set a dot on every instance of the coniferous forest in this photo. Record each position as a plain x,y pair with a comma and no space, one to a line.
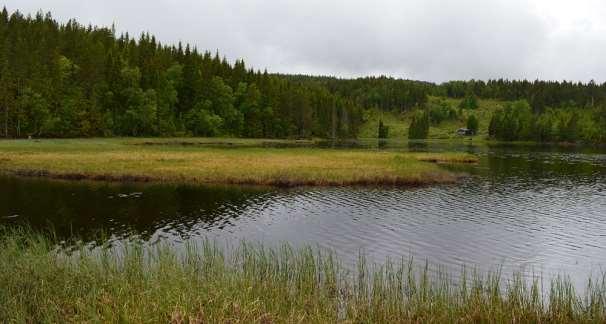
69,80
131,163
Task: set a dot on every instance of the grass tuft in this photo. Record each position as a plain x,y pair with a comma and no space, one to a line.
253,284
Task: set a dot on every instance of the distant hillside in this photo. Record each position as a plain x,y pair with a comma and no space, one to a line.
399,123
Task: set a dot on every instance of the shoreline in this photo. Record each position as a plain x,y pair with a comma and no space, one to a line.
396,182
125,161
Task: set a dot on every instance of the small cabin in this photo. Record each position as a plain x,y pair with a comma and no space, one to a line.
465,132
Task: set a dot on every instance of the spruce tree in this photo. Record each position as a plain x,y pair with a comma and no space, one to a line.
419,126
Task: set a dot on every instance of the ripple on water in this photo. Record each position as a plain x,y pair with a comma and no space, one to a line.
537,210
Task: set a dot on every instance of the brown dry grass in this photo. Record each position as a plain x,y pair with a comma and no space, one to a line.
114,160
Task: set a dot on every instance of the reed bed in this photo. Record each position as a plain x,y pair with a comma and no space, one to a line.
200,283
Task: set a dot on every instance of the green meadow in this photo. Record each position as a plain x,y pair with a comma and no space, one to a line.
399,123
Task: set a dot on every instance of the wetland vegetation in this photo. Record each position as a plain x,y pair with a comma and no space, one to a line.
154,160
253,284
83,103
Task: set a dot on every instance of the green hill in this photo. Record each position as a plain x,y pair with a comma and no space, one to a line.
398,123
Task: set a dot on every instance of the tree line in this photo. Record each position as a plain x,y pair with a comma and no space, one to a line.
70,80
539,94
517,122
380,92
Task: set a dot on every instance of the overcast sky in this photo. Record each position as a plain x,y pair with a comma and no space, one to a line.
433,40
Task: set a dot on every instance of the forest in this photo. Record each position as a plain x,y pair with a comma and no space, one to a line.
567,124
70,80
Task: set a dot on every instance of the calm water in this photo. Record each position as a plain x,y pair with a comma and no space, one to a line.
535,209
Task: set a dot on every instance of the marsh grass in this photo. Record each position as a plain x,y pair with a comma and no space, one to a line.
125,160
251,284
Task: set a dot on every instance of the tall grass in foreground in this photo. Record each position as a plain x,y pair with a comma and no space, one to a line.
39,283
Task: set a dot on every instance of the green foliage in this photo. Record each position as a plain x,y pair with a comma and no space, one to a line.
518,123
597,129
539,94
441,111
514,123
137,107
469,102
69,80
248,101
398,127
201,121
202,283
473,124
222,104
384,93
33,115
419,126
383,130
168,97
567,126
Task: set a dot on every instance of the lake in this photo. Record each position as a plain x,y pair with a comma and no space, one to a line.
537,209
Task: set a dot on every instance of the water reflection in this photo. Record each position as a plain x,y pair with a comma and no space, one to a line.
86,209
534,207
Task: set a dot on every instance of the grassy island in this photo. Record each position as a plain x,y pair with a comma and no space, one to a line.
220,161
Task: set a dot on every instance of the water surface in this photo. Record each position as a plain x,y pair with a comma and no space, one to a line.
540,209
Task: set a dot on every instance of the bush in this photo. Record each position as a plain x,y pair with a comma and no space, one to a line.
514,123
469,102
440,112
419,126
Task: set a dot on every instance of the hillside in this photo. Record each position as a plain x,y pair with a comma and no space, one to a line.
398,123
